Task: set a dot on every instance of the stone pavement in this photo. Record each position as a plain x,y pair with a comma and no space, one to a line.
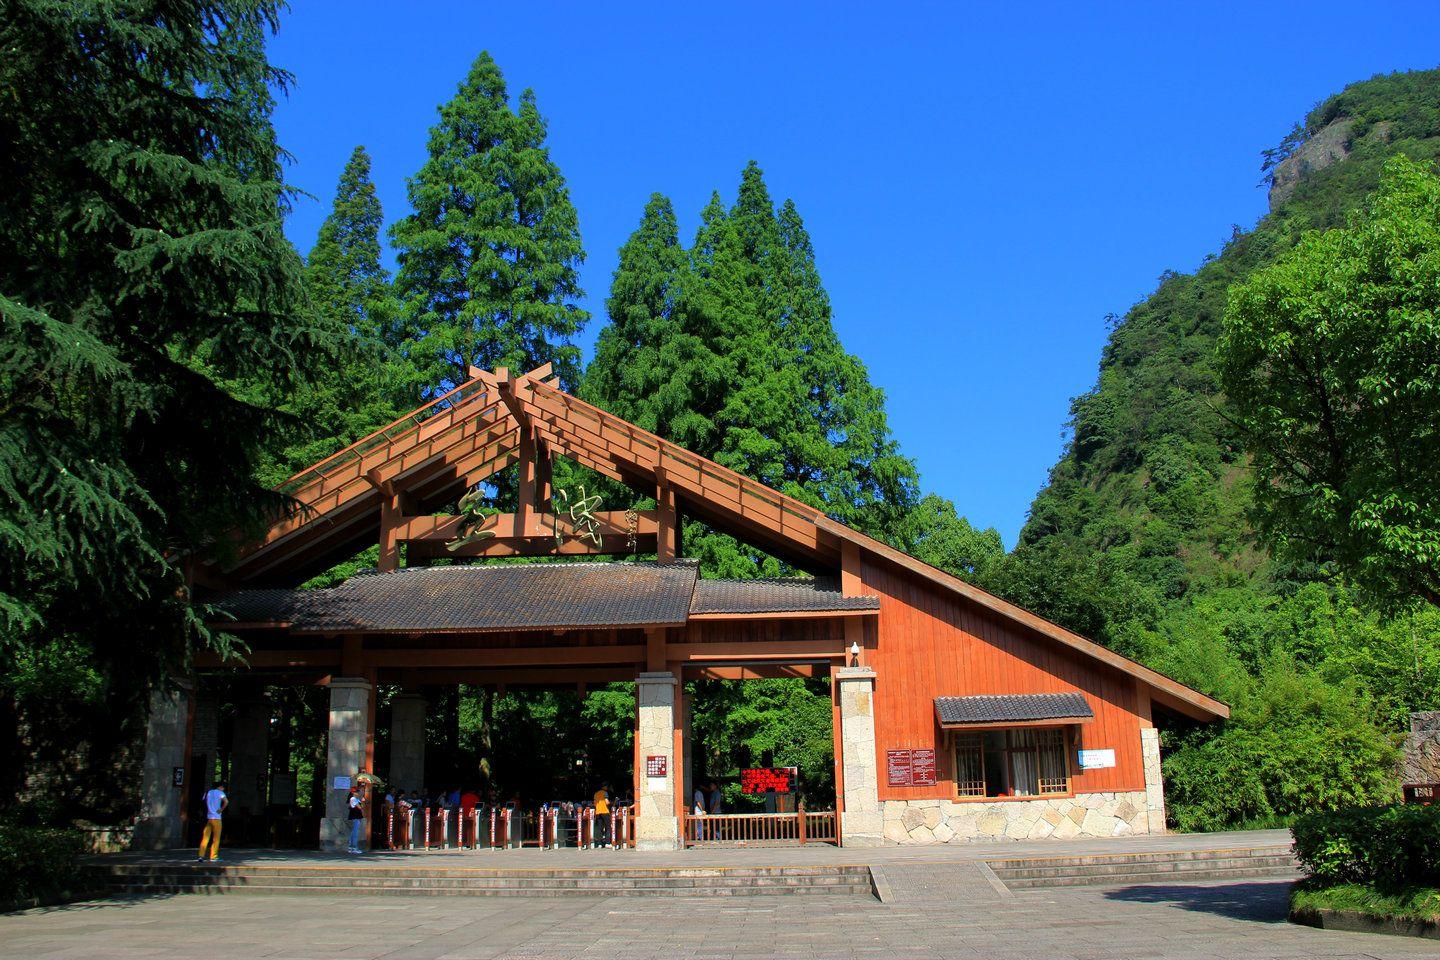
1203,921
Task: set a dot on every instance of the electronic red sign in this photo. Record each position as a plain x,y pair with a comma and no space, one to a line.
765,779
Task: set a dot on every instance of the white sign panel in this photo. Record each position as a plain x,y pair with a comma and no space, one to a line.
1095,759
343,783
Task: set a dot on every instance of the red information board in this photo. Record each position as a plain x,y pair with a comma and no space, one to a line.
899,768
763,779
656,766
922,767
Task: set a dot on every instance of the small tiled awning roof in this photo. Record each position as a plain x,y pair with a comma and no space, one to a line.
479,598
788,595
1012,708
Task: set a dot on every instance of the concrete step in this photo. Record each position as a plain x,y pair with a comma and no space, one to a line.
475,883
167,878
1131,879
1154,866
1161,867
359,869
848,890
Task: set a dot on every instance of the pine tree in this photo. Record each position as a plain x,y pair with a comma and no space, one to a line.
650,367
754,375
373,381
146,293
489,257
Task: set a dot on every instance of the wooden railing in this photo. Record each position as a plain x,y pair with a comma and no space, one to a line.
402,827
761,829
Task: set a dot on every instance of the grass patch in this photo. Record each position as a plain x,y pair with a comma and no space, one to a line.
1411,903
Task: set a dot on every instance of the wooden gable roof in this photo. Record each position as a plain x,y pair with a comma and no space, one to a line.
494,420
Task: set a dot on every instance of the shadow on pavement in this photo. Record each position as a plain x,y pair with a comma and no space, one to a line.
1264,901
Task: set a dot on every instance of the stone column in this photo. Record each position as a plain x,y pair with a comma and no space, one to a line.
407,742
345,755
1154,786
250,756
862,824
162,801
656,826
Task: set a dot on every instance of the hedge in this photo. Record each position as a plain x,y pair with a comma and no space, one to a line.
1389,848
39,865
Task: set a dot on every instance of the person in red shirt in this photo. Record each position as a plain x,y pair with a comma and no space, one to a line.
469,800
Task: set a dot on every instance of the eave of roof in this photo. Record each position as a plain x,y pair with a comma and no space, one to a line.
1199,705
1013,708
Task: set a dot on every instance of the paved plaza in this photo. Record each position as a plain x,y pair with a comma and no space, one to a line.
939,910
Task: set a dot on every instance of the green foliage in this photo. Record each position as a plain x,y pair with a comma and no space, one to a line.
1390,847
1331,362
1143,540
739,723
1296,744
39,864
1417,903
489,256
373,380
730,351
147,297
935,532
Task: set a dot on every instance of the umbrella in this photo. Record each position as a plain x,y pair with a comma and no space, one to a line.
369,779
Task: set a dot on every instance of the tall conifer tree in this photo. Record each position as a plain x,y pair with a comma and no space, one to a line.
373,381
146,287
767,387
489,258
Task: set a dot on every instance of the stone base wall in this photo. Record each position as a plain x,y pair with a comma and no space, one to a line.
1084,815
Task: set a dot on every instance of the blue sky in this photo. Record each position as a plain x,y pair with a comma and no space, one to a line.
982,184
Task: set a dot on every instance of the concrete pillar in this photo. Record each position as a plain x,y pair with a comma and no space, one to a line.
407,742
250,756
862,824
656,826
1154,786
162,800
345,755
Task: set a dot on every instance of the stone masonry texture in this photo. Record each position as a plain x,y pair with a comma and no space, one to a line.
1083,815
656,826
861,824
159,824
345,755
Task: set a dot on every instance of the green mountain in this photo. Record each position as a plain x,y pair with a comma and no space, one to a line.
1140,538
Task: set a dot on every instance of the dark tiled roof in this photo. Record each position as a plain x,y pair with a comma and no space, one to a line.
517,597
1012,708
793,595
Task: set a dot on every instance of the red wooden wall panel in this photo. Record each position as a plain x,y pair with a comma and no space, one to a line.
932,643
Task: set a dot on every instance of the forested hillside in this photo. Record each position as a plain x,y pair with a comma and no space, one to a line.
1142,540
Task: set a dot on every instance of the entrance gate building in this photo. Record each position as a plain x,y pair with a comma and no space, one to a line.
956,715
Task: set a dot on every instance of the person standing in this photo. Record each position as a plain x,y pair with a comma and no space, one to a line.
602,818
697,810
215,804
357,818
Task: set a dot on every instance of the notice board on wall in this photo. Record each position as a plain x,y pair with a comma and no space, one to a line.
910,768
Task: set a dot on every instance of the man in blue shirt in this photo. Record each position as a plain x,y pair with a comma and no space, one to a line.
215,804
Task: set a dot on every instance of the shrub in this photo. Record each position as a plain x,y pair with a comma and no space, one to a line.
39,863
1389,848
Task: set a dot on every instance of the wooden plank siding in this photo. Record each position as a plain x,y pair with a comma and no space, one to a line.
935,643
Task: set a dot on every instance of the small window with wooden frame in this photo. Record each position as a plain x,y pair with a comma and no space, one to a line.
1021,762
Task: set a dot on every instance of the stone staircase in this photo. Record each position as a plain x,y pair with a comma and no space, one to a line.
1173,866
163,878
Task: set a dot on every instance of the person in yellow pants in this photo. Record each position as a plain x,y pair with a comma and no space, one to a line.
215,804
